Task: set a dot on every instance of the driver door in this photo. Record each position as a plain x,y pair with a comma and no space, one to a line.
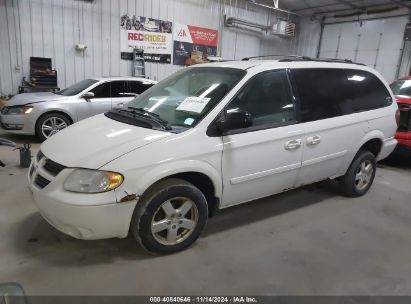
119,94
100,103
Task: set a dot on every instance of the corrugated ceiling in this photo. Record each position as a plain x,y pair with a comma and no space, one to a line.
310,7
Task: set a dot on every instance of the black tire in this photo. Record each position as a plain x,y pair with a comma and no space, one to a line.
350,185
44,119
149,207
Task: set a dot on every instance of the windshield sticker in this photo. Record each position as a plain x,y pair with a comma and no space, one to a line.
189,121
193,104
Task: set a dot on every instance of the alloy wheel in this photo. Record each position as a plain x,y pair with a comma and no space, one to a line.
174,221
52,125
363,175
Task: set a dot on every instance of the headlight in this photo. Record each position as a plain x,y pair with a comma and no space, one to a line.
17,110
92,181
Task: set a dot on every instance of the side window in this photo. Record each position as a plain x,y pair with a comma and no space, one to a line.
118,89
267,97
138,87
368,92
102,90
323,93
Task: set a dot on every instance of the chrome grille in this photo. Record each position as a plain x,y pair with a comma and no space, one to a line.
43,171
40,181
53,167
31,170
39,155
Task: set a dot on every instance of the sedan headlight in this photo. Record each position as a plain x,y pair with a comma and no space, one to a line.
92,181
20,110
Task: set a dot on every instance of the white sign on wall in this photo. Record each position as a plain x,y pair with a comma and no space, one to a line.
153,36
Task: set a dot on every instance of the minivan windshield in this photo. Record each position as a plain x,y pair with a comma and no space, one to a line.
401,87
77,87
185,97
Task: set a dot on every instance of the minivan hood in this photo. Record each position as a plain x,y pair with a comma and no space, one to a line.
93,142
25,98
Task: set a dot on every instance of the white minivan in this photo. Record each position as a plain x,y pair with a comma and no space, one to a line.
209,137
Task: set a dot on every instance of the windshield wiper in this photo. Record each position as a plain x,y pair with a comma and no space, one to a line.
153,116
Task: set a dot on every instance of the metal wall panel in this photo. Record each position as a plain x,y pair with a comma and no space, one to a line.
406,61
376,43
51,28
307,40
5,51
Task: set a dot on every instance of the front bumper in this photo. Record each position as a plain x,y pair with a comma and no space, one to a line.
82,216
25,123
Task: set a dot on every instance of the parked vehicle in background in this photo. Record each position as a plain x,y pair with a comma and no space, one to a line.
45,113
209,137
402,91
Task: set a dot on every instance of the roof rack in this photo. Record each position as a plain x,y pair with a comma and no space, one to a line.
290,58
277,55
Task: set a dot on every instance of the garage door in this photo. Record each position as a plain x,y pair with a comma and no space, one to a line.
376,43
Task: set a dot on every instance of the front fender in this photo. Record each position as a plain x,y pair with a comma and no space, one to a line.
59,107
137,182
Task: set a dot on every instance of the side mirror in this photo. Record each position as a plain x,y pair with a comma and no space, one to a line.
88,95
235,120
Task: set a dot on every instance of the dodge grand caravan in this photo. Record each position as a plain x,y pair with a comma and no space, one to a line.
209,137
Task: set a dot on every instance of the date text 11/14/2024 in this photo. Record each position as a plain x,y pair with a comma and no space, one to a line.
204,299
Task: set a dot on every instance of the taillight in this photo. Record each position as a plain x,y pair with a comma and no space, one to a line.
397,117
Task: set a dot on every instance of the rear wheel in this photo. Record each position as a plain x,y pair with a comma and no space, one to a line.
360,175
50,124
170,217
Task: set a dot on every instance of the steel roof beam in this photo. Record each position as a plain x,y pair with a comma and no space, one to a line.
401,3
348,3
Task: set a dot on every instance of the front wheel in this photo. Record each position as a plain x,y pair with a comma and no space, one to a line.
170,217
360,175
50,124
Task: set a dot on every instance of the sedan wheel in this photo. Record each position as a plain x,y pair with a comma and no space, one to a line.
50,124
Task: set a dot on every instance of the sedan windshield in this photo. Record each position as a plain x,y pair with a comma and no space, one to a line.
77,87
185,97
401,87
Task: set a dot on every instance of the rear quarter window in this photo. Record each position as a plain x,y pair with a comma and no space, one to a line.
329,92
368,92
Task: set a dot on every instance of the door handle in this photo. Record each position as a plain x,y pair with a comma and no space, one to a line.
292,144
121,104
313,140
